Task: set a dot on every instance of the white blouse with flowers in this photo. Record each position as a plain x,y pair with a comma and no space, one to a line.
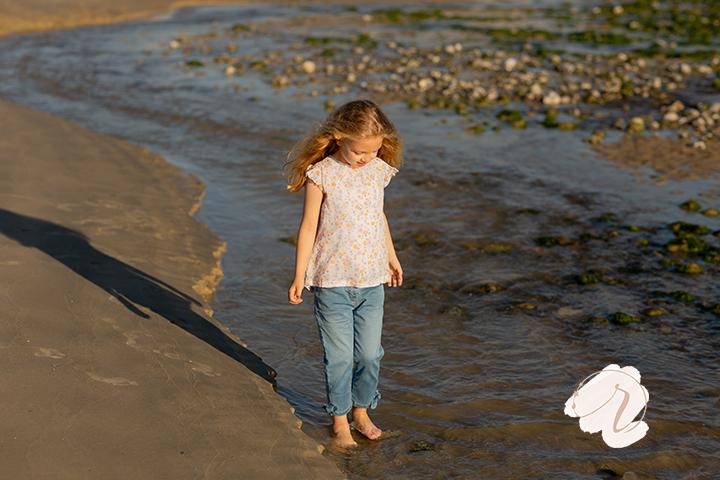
350,247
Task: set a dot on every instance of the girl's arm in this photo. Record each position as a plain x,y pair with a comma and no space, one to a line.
396,272
308,229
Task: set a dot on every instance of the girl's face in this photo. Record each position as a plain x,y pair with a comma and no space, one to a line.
358,152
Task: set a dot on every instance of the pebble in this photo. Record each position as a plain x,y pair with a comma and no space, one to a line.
308,66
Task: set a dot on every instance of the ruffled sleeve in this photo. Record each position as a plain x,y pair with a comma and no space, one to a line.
314,173
387,171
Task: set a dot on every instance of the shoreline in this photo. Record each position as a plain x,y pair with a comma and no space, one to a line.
194,398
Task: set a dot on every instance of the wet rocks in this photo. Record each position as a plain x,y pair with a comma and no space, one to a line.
690,206
654,312
421,446
513,117
479,288
690,268
622,318
553,241
681,228
589,278
487,247
466,79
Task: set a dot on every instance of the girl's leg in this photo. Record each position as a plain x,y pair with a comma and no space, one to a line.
367,352
334,317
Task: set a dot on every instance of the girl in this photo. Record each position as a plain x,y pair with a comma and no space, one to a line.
345,253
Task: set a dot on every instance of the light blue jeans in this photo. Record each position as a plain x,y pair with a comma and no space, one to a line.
349,321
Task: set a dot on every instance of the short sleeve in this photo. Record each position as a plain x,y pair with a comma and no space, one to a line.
387,171
314,173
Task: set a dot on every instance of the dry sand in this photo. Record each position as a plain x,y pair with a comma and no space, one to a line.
113,366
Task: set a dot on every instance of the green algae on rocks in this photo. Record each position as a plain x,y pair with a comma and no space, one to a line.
691,268
690,206
552,241
590,277
691,228
682,296
622,318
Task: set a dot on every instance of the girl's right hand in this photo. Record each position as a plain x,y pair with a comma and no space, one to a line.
295,292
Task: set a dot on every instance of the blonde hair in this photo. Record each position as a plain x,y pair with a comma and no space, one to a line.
357,119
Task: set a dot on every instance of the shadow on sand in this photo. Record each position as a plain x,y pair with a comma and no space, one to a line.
129,285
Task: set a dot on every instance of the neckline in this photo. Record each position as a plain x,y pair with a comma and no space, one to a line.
350,167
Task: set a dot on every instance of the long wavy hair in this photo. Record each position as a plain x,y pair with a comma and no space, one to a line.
357,119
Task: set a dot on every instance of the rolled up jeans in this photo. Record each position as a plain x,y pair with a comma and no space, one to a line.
349,321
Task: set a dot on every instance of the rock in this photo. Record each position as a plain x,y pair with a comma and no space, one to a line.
711,212
551,99
596,137
622,318
690,206
421,446
676,106
425,84
510,64
280,81
681,296
308,66
687,244
691,268
550,241
637,125
590,277
550,120
454,310
683,228
481,289
671,117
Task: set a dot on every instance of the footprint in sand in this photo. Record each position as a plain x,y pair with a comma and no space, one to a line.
116,381
48,353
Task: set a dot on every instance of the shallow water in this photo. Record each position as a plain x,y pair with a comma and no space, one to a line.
477,377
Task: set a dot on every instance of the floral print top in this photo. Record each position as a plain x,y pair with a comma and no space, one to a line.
350,246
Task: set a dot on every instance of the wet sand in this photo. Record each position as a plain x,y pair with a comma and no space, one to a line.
669,158
114,365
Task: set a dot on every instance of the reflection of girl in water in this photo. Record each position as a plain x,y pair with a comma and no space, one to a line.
345,253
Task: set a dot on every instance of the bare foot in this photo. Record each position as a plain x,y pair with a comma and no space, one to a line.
363,424
342,437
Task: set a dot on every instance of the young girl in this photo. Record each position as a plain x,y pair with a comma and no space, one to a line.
345,253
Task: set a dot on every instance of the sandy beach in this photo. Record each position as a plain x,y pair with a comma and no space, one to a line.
115,367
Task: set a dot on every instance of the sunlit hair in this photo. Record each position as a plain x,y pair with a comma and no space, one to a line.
358,119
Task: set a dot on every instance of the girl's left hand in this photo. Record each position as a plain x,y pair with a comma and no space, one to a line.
395,272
